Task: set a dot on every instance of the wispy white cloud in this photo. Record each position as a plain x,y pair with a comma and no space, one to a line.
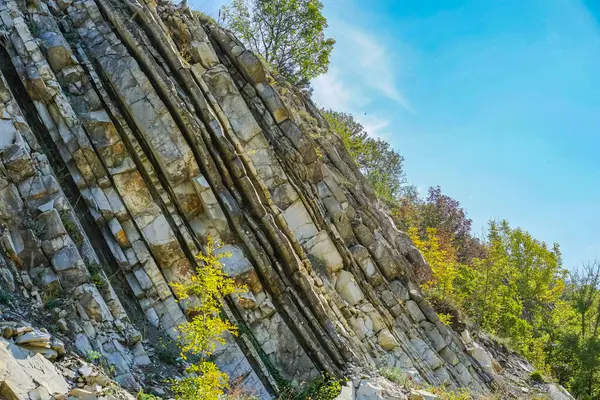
331,92
363,74
378,72
375,125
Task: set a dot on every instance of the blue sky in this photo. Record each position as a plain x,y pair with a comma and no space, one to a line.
496,101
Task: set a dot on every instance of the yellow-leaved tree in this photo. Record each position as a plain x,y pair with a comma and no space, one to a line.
440,258
200,335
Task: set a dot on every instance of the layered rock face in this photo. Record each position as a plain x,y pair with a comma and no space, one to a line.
131,132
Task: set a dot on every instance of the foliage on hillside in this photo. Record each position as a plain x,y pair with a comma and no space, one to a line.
379,163
506,283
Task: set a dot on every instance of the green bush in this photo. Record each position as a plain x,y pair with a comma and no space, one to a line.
52,303
146,396
536,376
397,376
325,387
93,356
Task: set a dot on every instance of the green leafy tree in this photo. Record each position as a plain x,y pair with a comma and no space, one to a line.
575,351
380,164
442,212
514,291
288,34
200,336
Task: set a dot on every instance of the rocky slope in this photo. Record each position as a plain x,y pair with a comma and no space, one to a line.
130,132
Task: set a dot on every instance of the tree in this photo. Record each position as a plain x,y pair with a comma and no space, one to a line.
380,164
200,336
443,213
288,34
575,353
440,258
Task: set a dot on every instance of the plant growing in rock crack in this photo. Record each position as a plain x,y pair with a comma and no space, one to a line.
93,356
52,300
397,376
167,351
70,226
200,336
96,277
5,297
28,221
536,376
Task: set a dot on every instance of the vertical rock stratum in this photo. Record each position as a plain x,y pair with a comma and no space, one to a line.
130,132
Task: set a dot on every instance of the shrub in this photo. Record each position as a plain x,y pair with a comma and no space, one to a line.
98,281
326,387
200,335
167,351
461,394
146,396
93,356
397,376
52,303
536,376
5,297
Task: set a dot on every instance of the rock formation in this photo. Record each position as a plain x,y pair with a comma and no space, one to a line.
130,132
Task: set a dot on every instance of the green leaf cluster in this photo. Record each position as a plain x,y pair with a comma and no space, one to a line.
288,34
380,164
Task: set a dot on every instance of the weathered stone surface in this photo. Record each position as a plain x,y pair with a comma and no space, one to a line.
415,311
58,52
34,338
22,371
482,356
93,304
377,389
251,67
273,102
386,340
557,392
348,289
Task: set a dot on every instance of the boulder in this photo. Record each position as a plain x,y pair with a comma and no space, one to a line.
557,392
22,371
378,389
348,289
386,340
34,338
482,356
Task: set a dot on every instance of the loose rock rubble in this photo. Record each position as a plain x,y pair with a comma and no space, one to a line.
26,373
